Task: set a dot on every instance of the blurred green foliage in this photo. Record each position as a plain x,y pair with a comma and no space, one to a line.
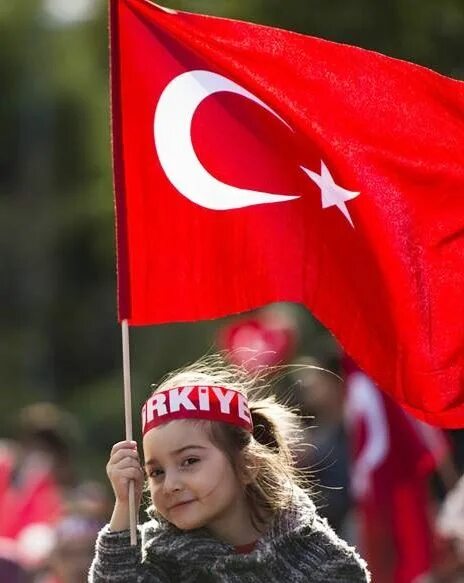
60,339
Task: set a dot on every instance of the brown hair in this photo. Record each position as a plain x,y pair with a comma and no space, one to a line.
267,454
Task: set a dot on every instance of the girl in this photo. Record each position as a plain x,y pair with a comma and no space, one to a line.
226,504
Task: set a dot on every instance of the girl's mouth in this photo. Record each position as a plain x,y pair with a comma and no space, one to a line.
180,504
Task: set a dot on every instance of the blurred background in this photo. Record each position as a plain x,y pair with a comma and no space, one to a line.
60,357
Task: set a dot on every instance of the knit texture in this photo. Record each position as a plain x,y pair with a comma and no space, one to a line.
300,546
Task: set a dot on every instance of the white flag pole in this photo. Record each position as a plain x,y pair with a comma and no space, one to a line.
128,416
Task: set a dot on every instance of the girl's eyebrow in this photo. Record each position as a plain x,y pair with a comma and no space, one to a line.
152,462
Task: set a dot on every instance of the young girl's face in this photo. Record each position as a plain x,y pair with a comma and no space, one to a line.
192,482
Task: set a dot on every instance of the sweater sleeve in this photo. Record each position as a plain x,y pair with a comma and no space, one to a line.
343,567
116,561
337,562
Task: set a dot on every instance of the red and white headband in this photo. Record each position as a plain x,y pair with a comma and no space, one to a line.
196,402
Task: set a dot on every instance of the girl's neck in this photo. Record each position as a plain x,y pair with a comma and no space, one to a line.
237,529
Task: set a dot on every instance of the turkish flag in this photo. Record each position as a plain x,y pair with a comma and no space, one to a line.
394,456
255,165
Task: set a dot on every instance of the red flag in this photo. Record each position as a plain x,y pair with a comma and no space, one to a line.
255,165
394,456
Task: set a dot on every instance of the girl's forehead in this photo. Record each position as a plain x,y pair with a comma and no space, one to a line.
174,435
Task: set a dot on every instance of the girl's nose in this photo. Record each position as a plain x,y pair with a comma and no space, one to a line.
172,482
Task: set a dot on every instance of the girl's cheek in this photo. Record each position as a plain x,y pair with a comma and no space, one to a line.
154,492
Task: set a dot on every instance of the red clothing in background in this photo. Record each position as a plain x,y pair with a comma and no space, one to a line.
29,493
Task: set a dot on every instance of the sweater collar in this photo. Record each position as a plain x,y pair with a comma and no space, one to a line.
163,541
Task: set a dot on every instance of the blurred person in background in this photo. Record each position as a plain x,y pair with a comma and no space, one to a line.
35,472
394,458
450,539
91,500
87,509
73,550
325,457
11,570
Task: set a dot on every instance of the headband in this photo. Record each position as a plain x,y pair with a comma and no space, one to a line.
196,402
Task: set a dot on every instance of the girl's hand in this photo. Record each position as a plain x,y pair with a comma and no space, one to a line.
123,466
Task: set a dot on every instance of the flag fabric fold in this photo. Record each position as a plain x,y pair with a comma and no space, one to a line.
255,165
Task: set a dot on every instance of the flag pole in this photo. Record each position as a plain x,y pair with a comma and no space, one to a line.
128,417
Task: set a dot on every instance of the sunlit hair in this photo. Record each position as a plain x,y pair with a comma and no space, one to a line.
266,455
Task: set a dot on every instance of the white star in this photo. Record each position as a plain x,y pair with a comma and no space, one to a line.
332,194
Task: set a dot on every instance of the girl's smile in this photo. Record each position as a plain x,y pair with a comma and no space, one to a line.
180,504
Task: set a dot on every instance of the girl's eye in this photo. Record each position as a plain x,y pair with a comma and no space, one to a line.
156,473
190,461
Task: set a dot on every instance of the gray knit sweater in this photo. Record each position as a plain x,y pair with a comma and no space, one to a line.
300,546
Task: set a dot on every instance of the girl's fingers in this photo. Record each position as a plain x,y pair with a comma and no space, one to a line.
127,462
132,445
129,473
124,466
121,454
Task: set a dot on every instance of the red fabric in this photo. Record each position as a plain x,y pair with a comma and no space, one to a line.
389,285
212,403
394,508
36,500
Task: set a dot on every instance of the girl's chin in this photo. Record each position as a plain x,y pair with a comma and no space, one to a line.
186,522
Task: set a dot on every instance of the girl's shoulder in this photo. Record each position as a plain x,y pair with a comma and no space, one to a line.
334,555
300,532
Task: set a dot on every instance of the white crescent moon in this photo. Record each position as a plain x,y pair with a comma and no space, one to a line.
173,141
